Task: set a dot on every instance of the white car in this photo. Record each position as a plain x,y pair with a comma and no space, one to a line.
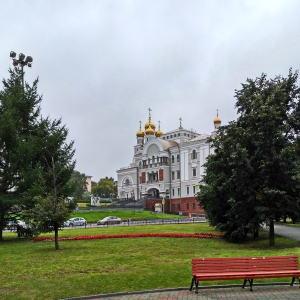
109,220
75,222
14,223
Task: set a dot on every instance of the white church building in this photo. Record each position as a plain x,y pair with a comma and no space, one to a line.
166,168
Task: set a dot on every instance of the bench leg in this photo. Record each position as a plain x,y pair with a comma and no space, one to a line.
192,284
197,285
293,280
250,282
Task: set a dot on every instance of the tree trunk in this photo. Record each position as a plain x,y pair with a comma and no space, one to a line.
255,232
1,221
56,237
271,233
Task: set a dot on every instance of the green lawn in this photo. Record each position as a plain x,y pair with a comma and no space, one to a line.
34,270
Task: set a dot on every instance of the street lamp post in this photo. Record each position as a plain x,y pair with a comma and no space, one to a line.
22,61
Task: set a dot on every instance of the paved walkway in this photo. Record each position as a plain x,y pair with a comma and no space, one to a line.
263,292
228,292
288,231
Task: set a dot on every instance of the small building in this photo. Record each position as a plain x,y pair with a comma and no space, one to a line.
88,180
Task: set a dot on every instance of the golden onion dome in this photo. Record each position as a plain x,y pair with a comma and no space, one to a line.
149,131
158,133
150,124
140,133
217,120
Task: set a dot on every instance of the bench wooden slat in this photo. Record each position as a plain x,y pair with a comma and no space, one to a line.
247,268
248,275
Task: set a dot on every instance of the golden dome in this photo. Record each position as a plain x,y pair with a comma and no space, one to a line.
150,124
140,133
158,133
149,130
217,120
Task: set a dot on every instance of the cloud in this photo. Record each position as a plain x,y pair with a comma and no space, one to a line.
102,64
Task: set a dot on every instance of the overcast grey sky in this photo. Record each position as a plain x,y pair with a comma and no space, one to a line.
103,63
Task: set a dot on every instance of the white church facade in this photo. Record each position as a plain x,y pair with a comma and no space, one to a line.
166,168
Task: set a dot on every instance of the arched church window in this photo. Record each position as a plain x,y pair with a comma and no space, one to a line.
194,154
172,158
178,158
127,182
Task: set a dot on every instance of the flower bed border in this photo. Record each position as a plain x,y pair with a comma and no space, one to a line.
201,235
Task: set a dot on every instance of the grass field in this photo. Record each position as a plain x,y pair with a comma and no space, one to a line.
34,270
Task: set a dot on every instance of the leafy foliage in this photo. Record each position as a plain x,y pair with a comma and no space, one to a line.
106,188
253,177
77,186
36,162
19,112
51,207
49,212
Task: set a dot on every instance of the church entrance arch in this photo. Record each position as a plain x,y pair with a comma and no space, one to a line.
153,193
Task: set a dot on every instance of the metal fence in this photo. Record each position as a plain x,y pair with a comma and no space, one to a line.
161,221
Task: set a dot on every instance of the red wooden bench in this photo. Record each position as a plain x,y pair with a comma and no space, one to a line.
246,268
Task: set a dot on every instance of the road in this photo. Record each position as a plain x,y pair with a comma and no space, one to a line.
287,231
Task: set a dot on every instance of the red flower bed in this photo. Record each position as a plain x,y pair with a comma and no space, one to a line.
201,235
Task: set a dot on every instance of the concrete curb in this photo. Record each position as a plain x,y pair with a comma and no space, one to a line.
170,290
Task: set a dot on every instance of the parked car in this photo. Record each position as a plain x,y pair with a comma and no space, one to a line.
109,220
75,222
12,224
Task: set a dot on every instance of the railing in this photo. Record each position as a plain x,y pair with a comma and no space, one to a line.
155,165
153,180
161,221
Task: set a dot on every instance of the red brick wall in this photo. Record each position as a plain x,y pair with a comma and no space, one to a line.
188,205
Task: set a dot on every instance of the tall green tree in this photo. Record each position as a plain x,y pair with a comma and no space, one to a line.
106,188
52,186
254,175
19,113
36,159
225,192
52,207
78,185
